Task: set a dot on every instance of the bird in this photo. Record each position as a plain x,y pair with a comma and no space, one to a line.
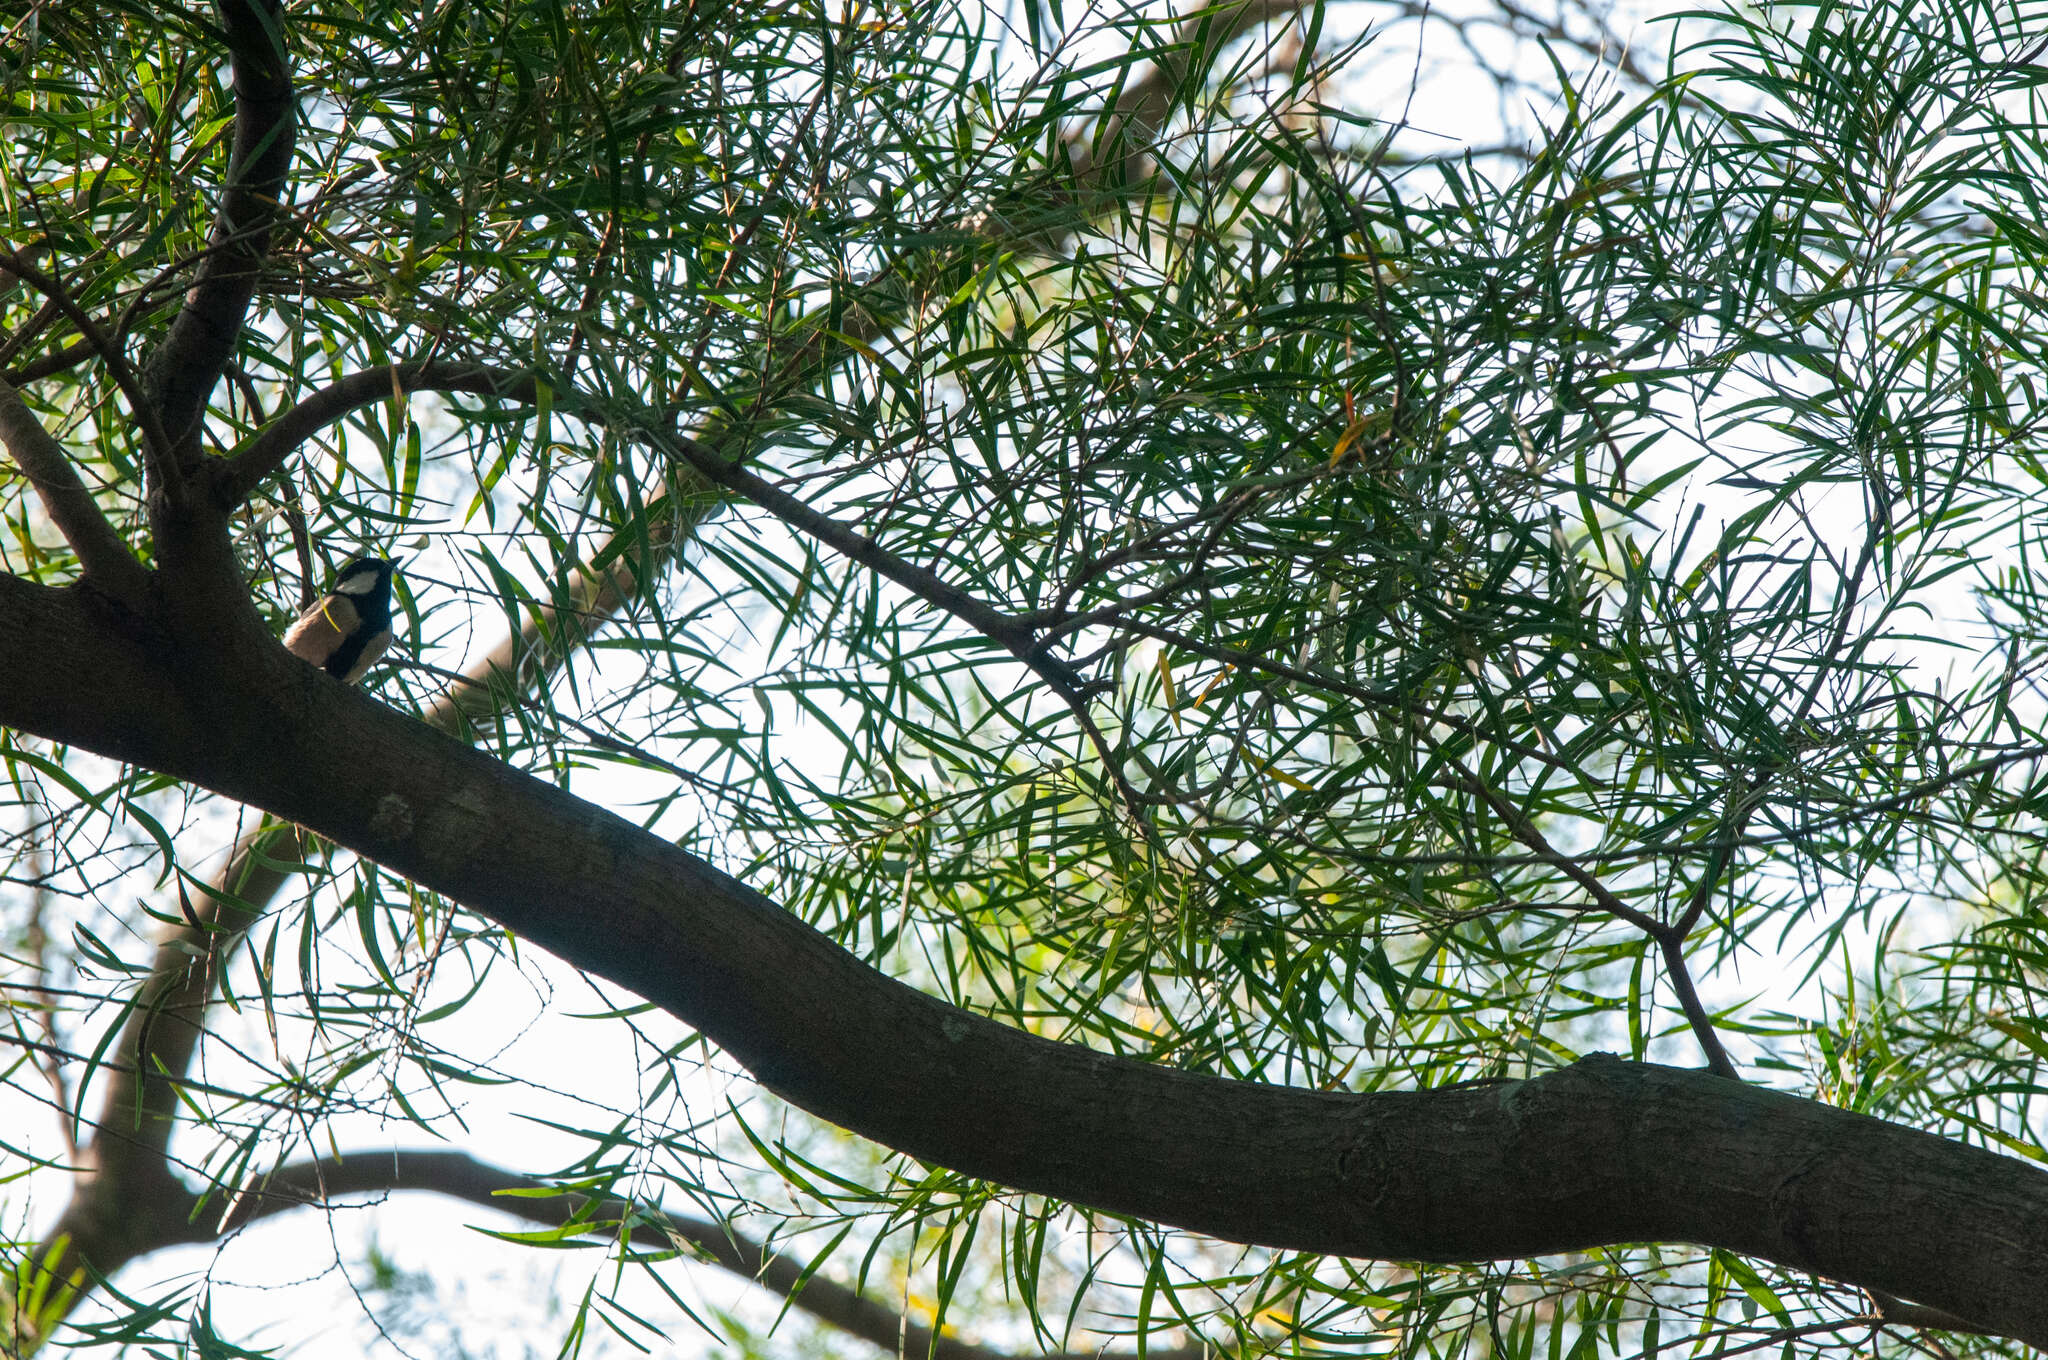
346,630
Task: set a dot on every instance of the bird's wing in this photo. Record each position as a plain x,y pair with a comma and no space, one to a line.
321,629
373,647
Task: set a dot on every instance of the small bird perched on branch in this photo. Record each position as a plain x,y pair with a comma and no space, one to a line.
346,630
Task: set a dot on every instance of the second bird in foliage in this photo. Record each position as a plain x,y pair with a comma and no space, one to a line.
346,630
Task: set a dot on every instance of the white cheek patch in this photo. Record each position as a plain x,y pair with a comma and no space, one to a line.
362,583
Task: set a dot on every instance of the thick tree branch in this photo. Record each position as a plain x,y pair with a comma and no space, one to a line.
465,1178
1599,1153
139,1101
101,552
181,374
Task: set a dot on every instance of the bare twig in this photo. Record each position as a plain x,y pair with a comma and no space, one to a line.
1669,942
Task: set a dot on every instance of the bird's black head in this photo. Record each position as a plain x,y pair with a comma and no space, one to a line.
367,584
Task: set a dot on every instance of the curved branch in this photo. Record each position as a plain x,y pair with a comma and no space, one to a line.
181,374
1599,1153
1669,943
102,554
462,1177
262,456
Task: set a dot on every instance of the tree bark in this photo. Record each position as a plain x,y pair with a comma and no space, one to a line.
1602,1152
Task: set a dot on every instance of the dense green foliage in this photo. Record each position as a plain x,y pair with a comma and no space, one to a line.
1476,611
